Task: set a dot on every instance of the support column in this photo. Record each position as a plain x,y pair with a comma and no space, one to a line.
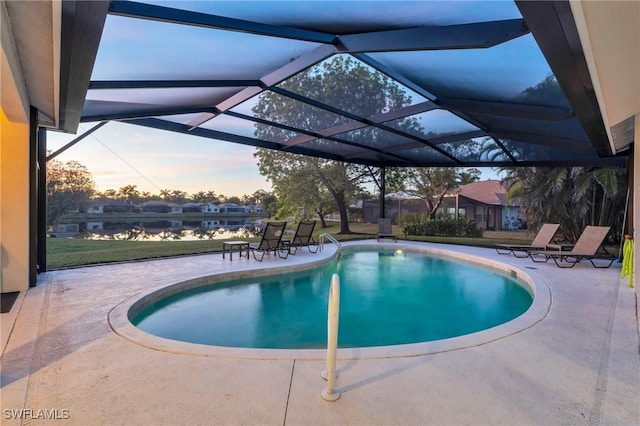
382,193
33,196
42,200
635,197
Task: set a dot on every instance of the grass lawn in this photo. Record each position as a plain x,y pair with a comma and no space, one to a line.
69,252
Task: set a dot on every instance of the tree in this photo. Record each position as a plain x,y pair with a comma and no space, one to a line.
432,183
129,193
211,197
269,204
248,199
308,182
177,196
109,193
299,184
233,199
343,83
198,197
69,186
204,197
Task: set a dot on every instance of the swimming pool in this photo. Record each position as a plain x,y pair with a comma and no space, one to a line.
389,297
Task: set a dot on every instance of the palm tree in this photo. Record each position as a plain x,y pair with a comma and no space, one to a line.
129,193
573,197
110,193
178,196
211,197
199,197
165,194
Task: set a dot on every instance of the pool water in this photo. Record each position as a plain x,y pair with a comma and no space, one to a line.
387,298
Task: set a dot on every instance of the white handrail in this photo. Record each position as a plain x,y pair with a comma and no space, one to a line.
331,238
333,318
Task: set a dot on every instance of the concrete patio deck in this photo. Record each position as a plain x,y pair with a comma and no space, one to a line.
580,364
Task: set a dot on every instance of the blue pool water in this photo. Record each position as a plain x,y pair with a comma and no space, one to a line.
387,298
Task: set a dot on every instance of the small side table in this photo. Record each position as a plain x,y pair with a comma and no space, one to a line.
238,245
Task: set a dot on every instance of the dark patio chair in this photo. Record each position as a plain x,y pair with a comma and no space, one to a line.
271,240
302,238
384,229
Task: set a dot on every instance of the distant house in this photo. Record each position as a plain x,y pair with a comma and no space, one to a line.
255,208
108,205
484,202
233,208
160,207
210,208
192,207
396,205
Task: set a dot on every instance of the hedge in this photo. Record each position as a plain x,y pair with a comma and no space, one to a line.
421,225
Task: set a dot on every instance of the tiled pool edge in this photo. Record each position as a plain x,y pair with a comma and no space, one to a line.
119,316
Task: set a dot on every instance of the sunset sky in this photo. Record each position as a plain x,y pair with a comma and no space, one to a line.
120,154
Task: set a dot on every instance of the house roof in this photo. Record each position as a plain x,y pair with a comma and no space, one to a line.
401,196
486,83
109,202
490,192
159,203
230,205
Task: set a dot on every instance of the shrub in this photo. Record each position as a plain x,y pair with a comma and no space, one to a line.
422,225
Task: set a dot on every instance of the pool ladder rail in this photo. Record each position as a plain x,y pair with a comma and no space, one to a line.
330,393
327,236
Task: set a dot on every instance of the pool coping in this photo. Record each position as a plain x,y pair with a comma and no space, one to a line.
119,315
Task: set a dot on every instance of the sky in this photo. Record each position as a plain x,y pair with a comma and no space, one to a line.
120,154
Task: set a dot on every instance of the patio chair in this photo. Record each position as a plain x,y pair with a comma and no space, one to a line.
586,248
384,229
542,238
302,238
271,240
